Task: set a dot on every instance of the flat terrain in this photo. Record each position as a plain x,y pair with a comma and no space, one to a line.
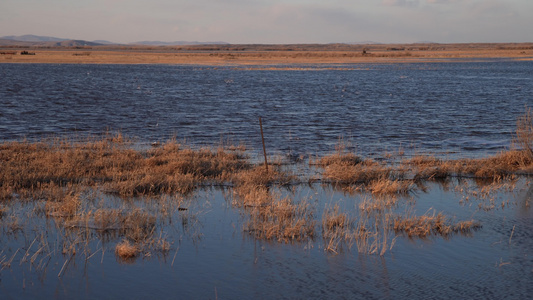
264,54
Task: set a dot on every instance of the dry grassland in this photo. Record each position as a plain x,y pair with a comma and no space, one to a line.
217,55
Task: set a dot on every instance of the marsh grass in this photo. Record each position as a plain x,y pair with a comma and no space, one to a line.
283,220
488,195
253,187
372,234
377,204
385,186
127,251
336,227
342,167
70,181
524,133
171,168
431,224
369,232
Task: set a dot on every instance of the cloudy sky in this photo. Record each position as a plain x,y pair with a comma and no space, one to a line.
272,21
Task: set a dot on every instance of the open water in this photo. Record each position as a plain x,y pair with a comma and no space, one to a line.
466,107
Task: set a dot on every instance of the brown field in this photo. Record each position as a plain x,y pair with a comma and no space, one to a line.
242,55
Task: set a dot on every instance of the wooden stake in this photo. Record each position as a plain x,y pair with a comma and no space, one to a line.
263,139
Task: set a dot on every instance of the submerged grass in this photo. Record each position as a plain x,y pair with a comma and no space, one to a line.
431,224
283,220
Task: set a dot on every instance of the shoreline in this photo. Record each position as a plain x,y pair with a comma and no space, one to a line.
262,55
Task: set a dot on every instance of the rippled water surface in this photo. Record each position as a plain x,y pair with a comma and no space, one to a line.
440,107
452,109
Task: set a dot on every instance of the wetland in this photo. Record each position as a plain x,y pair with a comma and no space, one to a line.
384,181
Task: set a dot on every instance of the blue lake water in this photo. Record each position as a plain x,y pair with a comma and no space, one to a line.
438,107
450,108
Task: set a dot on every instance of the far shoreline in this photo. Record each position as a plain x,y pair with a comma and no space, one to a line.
268,55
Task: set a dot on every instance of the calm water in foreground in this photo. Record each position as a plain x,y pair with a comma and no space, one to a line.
452,109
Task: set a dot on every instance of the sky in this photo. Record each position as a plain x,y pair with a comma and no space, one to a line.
272,21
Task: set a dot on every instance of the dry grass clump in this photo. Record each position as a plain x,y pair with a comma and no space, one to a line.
27,166
372,234
138,225
171,169
377,204
347,168
496,167
249,195
333,219
336,228
423,161
340,157
66,206
422,226
428,168
283,221
465,227
203,164
141,183
426,225
385,186
361,173
499,166
252,187
126,250
259,176
524,133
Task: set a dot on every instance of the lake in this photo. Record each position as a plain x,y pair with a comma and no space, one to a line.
469,108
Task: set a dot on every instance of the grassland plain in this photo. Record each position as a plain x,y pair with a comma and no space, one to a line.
265,54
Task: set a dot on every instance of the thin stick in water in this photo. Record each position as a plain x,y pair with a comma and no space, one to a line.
263,140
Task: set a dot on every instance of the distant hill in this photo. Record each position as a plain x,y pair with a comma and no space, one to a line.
46,41
8,42
71,43
32,38
104,42
364,43
176,43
